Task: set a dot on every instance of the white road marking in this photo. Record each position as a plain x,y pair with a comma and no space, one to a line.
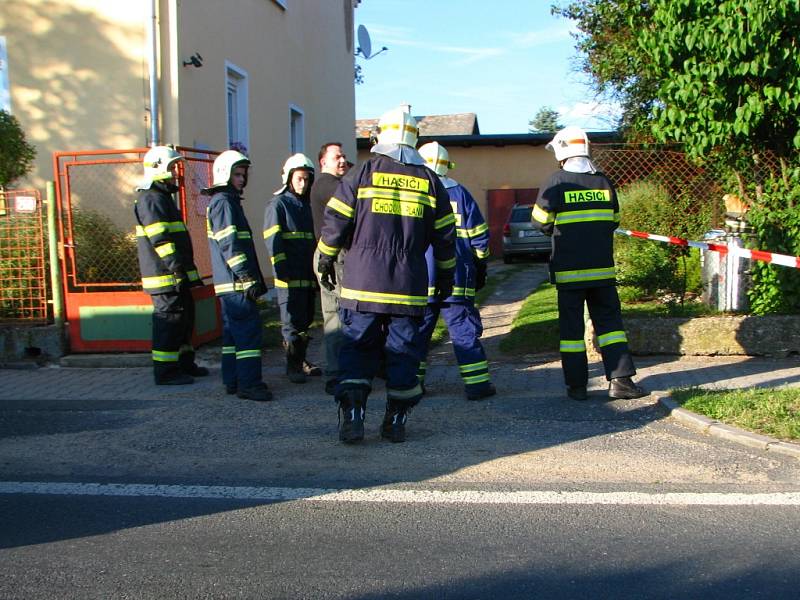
280,494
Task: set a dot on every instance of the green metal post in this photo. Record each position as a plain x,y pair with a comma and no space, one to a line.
55,264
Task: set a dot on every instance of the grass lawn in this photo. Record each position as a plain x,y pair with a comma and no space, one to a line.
767,411
535,328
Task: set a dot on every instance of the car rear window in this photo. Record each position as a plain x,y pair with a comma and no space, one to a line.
521,214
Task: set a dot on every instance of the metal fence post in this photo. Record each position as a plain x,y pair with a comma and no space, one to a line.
55,265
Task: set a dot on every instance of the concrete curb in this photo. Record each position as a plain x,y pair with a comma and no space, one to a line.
714,428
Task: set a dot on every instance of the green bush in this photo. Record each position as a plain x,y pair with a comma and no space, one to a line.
776,226
22,272
16,154
105,253
648,269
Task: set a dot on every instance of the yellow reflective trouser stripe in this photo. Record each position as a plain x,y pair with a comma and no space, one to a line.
221,288
277,258
297,235
446,264
541,215
193,275
445,221
572,346
481,253
403,394
365,382
585,275
248,354
474,367
460,291
584,216
462,233
244,235
612,337
236,260
271,231
229,349
475,231
475,378
325,249
157,281
384,298
294,283
165,249
368,193
161,356
340,207
223,233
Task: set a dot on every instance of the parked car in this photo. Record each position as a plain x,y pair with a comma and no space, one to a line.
521,238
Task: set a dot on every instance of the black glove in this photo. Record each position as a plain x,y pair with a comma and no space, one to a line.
444,287
255,291
480,275
327,272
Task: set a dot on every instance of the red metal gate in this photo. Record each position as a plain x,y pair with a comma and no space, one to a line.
23,266
106,309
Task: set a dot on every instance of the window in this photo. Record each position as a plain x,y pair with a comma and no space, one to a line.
238,121
296,134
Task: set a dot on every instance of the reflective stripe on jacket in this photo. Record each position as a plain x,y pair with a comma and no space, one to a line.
230,242
162,240
386,214
580,211
472,244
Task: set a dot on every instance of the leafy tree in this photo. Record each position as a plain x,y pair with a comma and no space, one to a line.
16,154
545,121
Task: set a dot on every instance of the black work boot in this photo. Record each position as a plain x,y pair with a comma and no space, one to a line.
294,361
352,410
485,392
393,427
624,388
188,366
170,374
259,392
577,392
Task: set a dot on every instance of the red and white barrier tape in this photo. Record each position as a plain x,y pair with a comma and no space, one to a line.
777,259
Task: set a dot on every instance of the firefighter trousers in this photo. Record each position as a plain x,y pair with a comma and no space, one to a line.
173,321
241,342
297,311
465,327
368,336
606,315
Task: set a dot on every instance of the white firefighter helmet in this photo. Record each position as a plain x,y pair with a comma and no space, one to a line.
157,163
398,127
436,157
569,142
295,161
224,165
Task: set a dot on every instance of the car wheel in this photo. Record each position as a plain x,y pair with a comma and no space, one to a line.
508,259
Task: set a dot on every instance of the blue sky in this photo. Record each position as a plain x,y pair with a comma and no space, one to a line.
501,59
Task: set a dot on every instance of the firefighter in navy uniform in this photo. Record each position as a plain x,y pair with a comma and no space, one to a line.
167,267
238,282
289,237
578,207
472,251
386,213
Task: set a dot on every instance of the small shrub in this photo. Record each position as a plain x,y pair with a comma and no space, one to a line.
105,253
16,154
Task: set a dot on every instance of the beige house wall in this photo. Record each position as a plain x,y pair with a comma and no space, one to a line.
484,168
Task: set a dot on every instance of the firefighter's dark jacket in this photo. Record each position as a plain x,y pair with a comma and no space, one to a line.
290,241
163,243
472,244
580,211
387,214
230,241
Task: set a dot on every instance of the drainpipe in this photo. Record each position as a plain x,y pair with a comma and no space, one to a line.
154,137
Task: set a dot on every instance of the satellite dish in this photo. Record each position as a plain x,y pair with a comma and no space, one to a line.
364,43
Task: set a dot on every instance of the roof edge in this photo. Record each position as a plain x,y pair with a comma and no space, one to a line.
500,139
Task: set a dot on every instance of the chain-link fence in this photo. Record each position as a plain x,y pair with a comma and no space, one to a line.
96,193
23,266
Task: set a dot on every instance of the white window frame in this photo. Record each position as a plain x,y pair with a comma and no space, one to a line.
297,134
236,82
